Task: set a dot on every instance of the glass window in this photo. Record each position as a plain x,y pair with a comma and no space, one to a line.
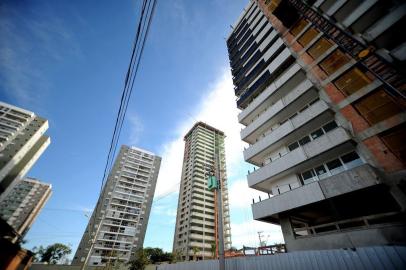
304,140
330,126
293,116
314,101
321,172
308,176
293,146
335,166
351,160
317,133
304,108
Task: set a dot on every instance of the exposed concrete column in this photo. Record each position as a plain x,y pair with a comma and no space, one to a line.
287,230
395,181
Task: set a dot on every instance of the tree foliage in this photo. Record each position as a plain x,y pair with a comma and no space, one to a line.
150,255
52,254
195,250
156,255
213,250
140,260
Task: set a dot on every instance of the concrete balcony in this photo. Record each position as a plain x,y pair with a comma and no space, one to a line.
291,130
260,102
205,222
205,216
328,146
201,229
200,237
199,245
207,210
206,203
347,181
283,108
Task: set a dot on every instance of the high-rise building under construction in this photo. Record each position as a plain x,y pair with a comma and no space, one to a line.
321,88
196,231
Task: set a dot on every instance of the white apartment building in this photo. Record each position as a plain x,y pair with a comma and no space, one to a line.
22,141
23,203
122,210
196,221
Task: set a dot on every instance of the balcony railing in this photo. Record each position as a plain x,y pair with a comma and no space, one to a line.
301,154
394,82
270,112
364,222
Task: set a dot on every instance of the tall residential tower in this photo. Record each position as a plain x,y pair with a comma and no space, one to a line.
196,221
22,141
321,88
23,203
122,210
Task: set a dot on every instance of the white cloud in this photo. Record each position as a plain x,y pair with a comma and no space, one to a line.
136,128
241,195
164,209
218,109
246,233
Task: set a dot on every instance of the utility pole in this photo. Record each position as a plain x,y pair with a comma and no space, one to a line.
215,182
93,241
260,238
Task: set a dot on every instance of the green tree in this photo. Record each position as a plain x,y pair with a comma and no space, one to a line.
140,260
176,256
213,250
52,254
157,255
195,250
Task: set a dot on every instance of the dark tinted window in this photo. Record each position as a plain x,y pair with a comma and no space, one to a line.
350,157
317,133
293,146
330,126
334,164
307,174
304,140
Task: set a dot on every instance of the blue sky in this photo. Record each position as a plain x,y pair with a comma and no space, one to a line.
66,61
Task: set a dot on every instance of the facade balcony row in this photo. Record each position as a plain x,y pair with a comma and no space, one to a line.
325,147
291,77
298,195
288,130
291,103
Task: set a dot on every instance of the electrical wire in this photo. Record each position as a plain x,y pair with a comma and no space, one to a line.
143,27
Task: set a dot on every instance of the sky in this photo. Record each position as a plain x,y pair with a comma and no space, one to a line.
66,61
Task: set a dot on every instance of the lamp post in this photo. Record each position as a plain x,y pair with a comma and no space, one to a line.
93,241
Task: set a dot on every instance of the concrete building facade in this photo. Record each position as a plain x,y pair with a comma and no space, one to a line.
322,97
23,203
22,141
122,210
196,221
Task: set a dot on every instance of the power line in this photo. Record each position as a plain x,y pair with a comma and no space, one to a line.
143,27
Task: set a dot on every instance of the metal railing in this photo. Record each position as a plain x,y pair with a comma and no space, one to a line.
362,222
393,81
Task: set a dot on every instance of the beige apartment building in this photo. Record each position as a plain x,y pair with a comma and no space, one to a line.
196,221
